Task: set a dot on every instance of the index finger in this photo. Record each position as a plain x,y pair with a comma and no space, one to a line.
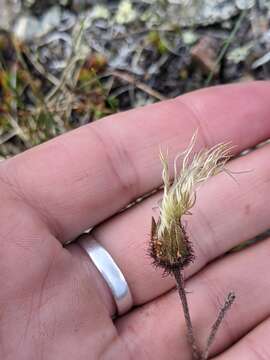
83,177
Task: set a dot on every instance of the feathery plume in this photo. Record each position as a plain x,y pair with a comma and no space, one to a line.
170,247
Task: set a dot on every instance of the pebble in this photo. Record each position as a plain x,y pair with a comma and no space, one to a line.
205,53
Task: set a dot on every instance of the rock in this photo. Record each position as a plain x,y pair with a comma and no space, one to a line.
9,10
50,20
203,12
189,13
205,53
245,4
26,27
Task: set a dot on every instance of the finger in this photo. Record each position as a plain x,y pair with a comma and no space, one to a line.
254,346
157,330
226,213
83,177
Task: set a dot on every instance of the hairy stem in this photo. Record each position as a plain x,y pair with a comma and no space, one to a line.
222,312
196,355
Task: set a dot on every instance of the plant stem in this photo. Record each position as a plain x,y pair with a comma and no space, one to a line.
227,43
222,312
196,355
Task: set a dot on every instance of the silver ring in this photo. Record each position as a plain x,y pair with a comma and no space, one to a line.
110,272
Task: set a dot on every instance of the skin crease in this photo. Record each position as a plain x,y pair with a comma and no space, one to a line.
53,302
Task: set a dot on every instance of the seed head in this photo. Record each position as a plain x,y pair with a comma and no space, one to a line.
170,247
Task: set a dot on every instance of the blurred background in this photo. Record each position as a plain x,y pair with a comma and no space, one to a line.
69,63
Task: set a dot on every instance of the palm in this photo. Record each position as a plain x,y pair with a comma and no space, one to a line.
53,303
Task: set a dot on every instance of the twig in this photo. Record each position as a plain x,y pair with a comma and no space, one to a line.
70,66
140,85
19,131
6,137
196,355
227,305
37,65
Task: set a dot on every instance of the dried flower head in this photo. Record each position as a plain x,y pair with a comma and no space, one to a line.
170,247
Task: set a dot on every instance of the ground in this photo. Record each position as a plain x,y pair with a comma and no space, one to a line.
65,65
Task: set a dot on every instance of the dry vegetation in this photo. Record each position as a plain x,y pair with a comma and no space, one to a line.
62,66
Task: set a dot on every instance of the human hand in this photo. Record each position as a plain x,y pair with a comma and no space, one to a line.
53,302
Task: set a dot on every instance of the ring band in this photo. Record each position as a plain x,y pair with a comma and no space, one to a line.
110,273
